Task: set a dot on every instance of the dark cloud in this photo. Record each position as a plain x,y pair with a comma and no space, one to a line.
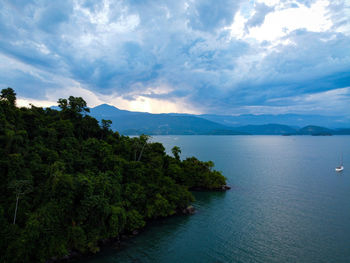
125,47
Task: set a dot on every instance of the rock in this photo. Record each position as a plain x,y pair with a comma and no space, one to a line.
190,210
225,187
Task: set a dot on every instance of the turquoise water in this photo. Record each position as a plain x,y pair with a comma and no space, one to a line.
287,204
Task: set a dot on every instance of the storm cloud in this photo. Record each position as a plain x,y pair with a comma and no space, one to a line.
228,57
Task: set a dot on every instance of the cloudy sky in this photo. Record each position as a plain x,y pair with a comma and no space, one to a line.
195,56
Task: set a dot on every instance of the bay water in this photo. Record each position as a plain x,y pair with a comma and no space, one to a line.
287,204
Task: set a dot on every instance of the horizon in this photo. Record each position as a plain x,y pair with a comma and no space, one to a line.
343,123
198,57
186,113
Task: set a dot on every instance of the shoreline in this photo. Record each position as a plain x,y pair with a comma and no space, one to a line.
117,241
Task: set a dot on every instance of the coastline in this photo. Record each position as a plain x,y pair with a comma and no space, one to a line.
116,242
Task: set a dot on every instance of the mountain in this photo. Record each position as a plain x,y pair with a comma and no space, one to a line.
135,123
342,132
105,110
267,129
278,129
315,130
294,120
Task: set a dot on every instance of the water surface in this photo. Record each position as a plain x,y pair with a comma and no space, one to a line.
287,204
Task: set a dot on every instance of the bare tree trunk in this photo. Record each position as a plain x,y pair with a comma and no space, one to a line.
14,218
143,147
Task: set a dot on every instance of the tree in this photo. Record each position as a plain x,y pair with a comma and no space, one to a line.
20,187
143,138
176,152
106,124
74,105
63,104
140,142
8,95
78,104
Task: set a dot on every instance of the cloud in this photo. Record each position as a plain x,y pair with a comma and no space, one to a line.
154,99
261,10
53,15
323,102
198,56
208,15
283,20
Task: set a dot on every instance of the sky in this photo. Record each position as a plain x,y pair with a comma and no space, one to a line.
185,56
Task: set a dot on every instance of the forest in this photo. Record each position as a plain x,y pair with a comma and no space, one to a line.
68,182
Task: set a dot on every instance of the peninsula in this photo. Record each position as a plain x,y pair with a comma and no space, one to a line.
67,181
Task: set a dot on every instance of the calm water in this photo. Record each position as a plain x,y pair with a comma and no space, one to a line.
287,204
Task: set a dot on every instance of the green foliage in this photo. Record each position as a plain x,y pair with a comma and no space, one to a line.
71,182
117,221
176,152
106,124
8,95
199,175
134,220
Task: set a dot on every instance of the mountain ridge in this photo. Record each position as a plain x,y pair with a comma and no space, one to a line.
136,123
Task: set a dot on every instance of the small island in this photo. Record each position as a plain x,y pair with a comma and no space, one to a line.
69,182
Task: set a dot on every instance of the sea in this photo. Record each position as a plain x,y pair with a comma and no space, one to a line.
287,204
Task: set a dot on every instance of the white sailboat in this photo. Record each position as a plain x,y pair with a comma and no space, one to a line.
340,167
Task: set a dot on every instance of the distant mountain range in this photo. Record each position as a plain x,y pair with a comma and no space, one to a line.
294,120
136,123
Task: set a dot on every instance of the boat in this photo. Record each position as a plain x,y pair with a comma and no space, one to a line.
340,167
